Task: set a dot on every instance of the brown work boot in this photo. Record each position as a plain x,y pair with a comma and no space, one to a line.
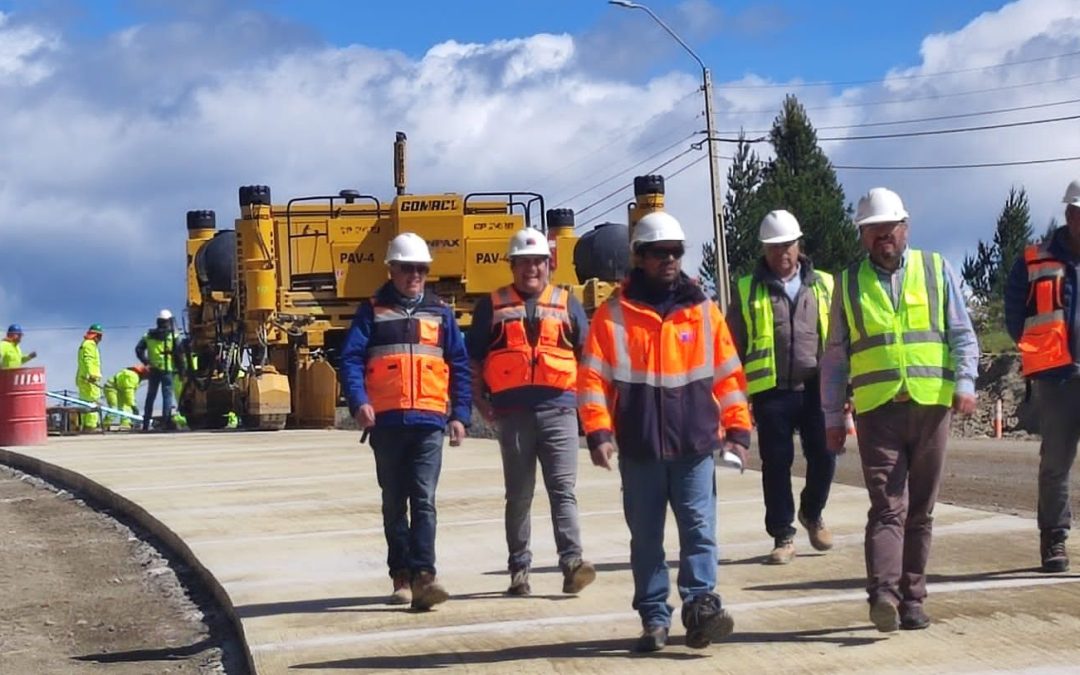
913,617
783,552
578,574
884,616
427,591
820,537
1055,557
519,582
402,594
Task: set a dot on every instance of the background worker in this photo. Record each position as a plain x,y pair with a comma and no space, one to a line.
406,373
120,392
1043,317
88,374
11,355
524,343
660,376
160,350
779,323
901,333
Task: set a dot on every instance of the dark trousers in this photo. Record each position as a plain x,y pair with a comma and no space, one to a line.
778,413
407,462
1059,425
158,378
902,447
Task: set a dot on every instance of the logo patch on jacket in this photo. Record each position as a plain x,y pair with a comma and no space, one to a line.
684,337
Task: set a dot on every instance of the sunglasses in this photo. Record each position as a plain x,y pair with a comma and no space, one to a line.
664,252
410,268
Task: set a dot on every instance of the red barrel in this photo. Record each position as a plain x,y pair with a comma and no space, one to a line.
22,407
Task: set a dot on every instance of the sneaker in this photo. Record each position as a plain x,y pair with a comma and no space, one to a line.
402,594
653,639
519,582
1055,558
706,621
427,591
913,617
884,616
783,552
820,537
578,575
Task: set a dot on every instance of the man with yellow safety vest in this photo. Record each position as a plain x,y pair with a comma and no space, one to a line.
120,391
524,343
779,321
661,378
900,333
405,371
88,374
160,350
11,355
1042,314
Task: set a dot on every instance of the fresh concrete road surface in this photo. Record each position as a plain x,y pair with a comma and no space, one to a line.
289,525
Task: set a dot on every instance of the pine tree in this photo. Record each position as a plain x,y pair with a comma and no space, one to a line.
986,272
740,232
801,179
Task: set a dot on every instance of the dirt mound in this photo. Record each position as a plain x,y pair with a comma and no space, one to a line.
999,379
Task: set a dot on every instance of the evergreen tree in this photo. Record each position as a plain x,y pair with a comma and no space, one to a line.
740,233
987,271
801,179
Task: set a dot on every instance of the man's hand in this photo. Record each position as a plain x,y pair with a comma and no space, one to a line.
738,450
963,403
31,355
835,437
365,416
601,456
483,406
457,433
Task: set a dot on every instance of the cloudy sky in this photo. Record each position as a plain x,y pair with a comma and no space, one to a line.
118,117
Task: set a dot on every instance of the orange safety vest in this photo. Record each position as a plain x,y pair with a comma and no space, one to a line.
513,360
1044,344
405,368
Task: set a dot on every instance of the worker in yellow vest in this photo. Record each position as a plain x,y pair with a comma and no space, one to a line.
88,374
524,345
159,349
11,355
120,392
779,321
900,333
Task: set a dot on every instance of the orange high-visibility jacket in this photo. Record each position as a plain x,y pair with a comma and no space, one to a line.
1044,344
662,387
512,361
406,369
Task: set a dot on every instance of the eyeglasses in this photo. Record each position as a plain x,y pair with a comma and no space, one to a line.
664,252
410,268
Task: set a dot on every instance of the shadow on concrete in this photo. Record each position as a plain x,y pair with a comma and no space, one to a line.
860,583
502,595
820,636
625,565
316,606
162,654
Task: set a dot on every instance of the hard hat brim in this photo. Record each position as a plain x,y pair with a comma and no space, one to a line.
782,239
1075,201
874,220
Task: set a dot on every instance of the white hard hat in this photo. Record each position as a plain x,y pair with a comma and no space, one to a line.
779,227
880,205
528,241
1072,193
164,315
656,226
408,247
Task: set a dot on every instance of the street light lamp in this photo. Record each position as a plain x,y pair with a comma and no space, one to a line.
722,285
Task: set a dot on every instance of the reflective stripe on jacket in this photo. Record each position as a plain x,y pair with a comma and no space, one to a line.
406,369
1044,344
514,360
160,351
760,359
903,349
662,386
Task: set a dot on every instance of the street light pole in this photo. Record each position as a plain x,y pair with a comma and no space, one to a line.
723,290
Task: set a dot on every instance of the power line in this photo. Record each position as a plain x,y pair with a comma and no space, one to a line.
929,167
936,118
844,83
630,184
667,178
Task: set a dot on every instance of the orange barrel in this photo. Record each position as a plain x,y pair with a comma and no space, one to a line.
22,407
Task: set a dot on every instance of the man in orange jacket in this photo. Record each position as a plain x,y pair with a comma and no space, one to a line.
659,377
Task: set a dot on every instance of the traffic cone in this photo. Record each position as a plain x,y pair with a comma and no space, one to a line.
849,423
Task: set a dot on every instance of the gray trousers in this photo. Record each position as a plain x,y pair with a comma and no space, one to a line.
1059,424
548,435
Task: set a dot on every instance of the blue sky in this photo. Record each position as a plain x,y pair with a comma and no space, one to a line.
117,116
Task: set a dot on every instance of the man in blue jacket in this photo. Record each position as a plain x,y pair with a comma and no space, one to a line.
1041,316
407,376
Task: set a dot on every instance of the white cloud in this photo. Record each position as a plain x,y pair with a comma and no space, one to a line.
22,53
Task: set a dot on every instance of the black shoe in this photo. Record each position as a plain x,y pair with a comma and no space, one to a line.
913,617
883,615
653,639
706,621
1054,556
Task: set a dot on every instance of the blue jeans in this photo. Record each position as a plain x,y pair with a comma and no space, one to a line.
164,380
689,485
407,463
779,413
